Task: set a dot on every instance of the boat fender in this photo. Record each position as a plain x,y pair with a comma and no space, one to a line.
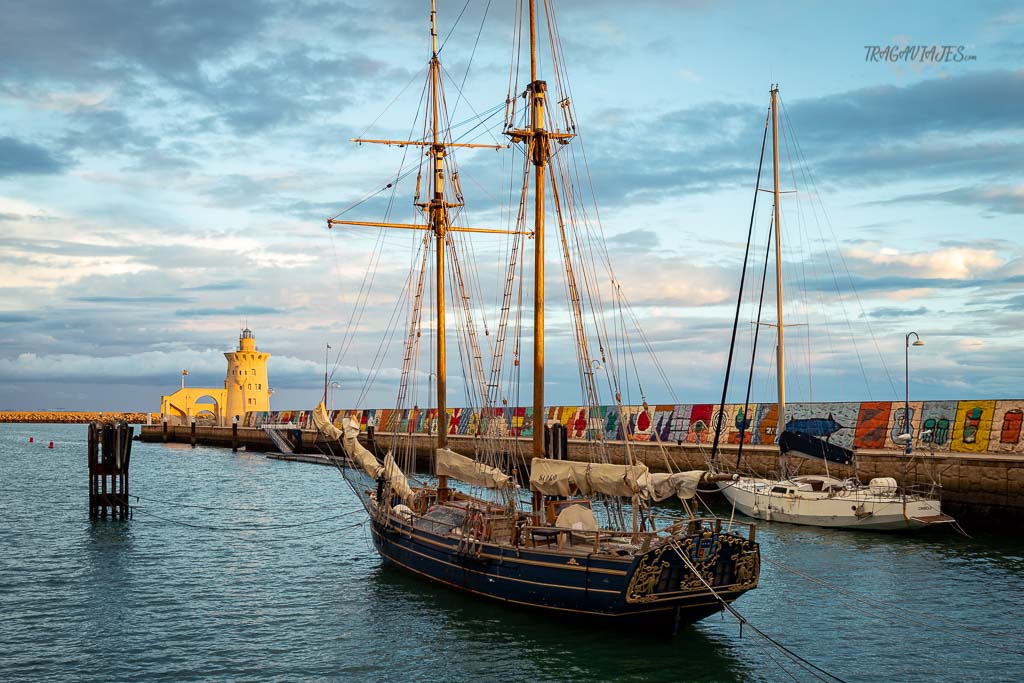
476,524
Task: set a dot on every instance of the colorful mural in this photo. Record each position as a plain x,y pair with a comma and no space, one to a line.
936,426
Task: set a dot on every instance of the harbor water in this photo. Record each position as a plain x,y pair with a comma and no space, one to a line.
239,567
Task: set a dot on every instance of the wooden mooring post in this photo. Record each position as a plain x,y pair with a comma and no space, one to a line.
110,452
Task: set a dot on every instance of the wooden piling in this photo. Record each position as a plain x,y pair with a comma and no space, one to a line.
109,451
193,432
165,429
234,435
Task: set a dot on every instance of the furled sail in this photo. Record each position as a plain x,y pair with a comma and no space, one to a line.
682,484
558,477
396,478
810,446
323,424
355,450
451,464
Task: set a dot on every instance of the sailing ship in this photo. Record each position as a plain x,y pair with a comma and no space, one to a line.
476,529
814,499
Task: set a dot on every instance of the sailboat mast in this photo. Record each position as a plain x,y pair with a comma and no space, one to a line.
539,142
781,350
438,223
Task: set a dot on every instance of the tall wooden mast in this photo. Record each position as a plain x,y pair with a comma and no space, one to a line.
539,140
780,349
438,211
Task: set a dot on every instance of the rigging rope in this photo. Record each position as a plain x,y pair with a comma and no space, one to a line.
924,621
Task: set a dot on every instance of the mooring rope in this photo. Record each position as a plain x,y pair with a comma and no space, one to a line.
267,527
813,668
957,630
249,538
173,503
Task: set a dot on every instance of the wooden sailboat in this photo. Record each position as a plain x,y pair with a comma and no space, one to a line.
818,500
476,529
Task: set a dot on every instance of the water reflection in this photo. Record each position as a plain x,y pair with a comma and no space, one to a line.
522,643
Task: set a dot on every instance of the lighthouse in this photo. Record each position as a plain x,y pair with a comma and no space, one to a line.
246,383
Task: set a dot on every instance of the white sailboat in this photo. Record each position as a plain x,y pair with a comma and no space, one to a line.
820,500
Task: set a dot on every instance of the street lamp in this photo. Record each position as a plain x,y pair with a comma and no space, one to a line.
334,385
906,404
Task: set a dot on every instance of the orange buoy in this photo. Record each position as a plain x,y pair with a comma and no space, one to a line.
51,445
31,439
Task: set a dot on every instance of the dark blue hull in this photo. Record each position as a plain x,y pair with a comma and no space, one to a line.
655,589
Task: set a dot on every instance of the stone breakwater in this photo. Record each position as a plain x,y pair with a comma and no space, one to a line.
76,417
976,487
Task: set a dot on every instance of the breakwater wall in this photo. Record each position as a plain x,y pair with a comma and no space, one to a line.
976,487
76,417
967,426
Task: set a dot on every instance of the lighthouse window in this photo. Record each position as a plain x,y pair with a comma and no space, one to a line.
259,386
250,386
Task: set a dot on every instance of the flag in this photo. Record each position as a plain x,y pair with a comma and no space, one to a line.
184,372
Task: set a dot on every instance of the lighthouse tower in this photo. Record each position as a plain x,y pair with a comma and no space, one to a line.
247,382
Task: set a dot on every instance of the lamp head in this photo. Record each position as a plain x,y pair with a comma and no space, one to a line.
918,342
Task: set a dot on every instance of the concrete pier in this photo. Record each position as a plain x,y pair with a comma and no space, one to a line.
975,486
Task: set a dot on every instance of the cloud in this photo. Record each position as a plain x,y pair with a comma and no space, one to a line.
152,299
242,310
1000,199
871,135
898,312
25,158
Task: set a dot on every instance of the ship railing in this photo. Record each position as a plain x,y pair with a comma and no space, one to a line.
533,535
923,490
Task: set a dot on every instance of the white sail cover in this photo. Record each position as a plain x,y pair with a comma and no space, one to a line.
556,478
451,464
682,484
577,517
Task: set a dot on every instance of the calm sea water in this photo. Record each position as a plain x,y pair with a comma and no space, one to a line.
255,599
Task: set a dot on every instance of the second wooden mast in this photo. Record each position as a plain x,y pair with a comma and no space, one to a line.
539,148
538,139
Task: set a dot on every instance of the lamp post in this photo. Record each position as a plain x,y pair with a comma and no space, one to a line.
334,385
906,404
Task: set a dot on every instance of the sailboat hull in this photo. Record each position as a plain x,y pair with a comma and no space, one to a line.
654,590
857,509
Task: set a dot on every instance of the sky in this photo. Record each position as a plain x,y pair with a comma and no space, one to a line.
167,168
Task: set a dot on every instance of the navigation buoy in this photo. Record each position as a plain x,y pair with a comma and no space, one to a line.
51,445
31,439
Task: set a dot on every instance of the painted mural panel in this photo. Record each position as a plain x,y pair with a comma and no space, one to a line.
679,422
898,425
699,428
1007,428
662,419
766,421
576,422
742,422
936,430
973,426
611,424
872,423
833,421
641,423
